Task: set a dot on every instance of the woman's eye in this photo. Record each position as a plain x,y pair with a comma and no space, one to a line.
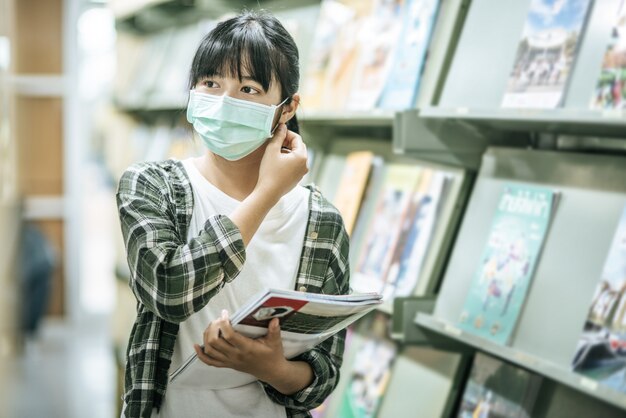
210,84
249,90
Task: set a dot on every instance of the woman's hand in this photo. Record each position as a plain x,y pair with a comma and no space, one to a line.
261,357
225,347
281,171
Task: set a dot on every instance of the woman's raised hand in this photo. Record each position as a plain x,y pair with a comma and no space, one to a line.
284,163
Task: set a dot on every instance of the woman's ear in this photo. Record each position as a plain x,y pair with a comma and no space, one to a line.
289,110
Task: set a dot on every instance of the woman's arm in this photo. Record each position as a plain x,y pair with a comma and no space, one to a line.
175,278
326,358
172,277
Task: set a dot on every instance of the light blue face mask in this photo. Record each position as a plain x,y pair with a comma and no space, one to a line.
231,128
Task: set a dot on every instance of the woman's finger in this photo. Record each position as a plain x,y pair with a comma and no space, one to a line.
206,359
277,140
215,353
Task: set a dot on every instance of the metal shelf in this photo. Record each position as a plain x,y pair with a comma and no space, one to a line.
581,122
154,15
528,361
373,118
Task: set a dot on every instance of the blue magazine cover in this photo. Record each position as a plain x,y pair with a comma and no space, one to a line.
403,81
501,282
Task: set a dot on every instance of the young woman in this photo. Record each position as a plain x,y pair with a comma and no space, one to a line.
204,234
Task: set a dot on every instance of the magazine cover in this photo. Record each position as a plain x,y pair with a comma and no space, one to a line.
610,90
498,389
334,15
339,76
384,229
417,227
546,53
601,351
500,284
402,85
377,41
369,369
352,186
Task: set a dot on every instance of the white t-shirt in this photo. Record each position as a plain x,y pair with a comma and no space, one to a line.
272,259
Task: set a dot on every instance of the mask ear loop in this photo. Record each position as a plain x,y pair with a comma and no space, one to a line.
277,106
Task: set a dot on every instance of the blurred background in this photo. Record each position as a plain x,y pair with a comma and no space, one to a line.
417,119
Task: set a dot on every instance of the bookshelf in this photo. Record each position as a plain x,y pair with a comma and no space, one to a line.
459,123
472,90
522,359
9,203
39,82
592,196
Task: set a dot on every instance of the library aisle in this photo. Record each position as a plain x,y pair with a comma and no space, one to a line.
460,209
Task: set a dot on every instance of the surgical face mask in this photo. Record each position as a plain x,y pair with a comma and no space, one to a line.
231,128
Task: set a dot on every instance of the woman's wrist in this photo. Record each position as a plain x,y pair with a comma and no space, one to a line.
265,196
289,377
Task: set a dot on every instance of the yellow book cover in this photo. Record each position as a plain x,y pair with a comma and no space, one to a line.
352,186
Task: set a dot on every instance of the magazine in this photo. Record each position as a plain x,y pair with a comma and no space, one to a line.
402,85
334,15
352,186
609,92
405,266
369,378
498,389
383,232
376,43
498,290
546,53
306,319
601,351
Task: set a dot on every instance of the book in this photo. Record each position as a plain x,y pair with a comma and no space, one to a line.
352,185
546,53
368,372
339,76
377,41
306,320
609,92
368,207
383,231
601,350
331,167
171,87
499,286
368,376
334,15
405,265
499,389
153,55
403,82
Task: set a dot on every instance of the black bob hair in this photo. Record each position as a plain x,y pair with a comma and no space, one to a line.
253,43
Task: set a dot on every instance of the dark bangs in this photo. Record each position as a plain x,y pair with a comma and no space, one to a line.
251,44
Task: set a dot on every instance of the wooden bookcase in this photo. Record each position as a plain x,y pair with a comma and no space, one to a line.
37,57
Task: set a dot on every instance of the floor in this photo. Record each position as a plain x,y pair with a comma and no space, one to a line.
67,371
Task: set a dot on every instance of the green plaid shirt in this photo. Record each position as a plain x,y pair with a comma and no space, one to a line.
172,278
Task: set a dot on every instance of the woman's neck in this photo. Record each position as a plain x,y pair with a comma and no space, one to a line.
235,178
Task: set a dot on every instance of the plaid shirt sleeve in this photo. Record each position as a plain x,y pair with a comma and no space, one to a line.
171,276
326,358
